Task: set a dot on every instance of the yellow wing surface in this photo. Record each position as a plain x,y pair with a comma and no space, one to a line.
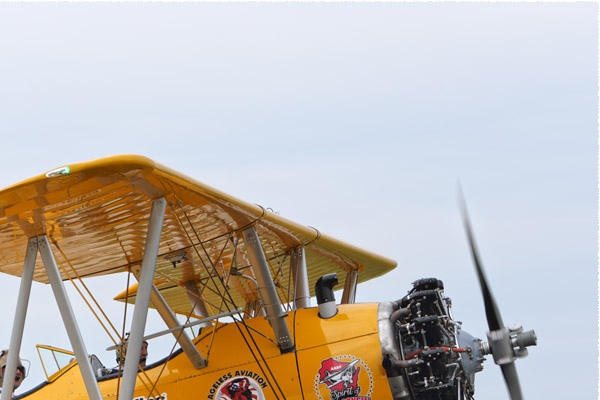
96,214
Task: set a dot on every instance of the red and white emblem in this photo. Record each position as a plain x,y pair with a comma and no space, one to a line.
344,377
240,388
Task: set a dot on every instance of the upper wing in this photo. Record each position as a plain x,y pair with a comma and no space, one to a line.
96,215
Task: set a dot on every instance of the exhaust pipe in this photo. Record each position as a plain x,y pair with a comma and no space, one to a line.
325,296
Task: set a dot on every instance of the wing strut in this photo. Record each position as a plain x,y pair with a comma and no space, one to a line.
195,298
142,300
19,321
349,295
301,289
180,335
272,305
66,312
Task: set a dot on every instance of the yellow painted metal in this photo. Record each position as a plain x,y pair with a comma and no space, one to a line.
351,336
247,351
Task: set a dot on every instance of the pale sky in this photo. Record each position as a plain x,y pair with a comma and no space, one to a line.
358,119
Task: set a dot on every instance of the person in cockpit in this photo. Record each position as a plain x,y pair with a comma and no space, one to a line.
19,373
122,353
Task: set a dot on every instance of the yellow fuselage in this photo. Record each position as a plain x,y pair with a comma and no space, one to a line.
333,358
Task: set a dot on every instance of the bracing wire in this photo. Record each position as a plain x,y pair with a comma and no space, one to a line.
253,349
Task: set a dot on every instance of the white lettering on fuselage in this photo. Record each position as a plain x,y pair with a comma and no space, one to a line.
159,397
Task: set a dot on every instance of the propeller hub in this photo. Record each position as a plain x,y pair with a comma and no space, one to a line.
508,344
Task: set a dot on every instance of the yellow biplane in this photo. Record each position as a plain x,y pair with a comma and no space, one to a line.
243,278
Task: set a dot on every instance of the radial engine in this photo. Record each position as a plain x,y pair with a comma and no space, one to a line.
427,355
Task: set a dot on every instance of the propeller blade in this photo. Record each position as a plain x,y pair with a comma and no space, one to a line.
492,312
512,380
